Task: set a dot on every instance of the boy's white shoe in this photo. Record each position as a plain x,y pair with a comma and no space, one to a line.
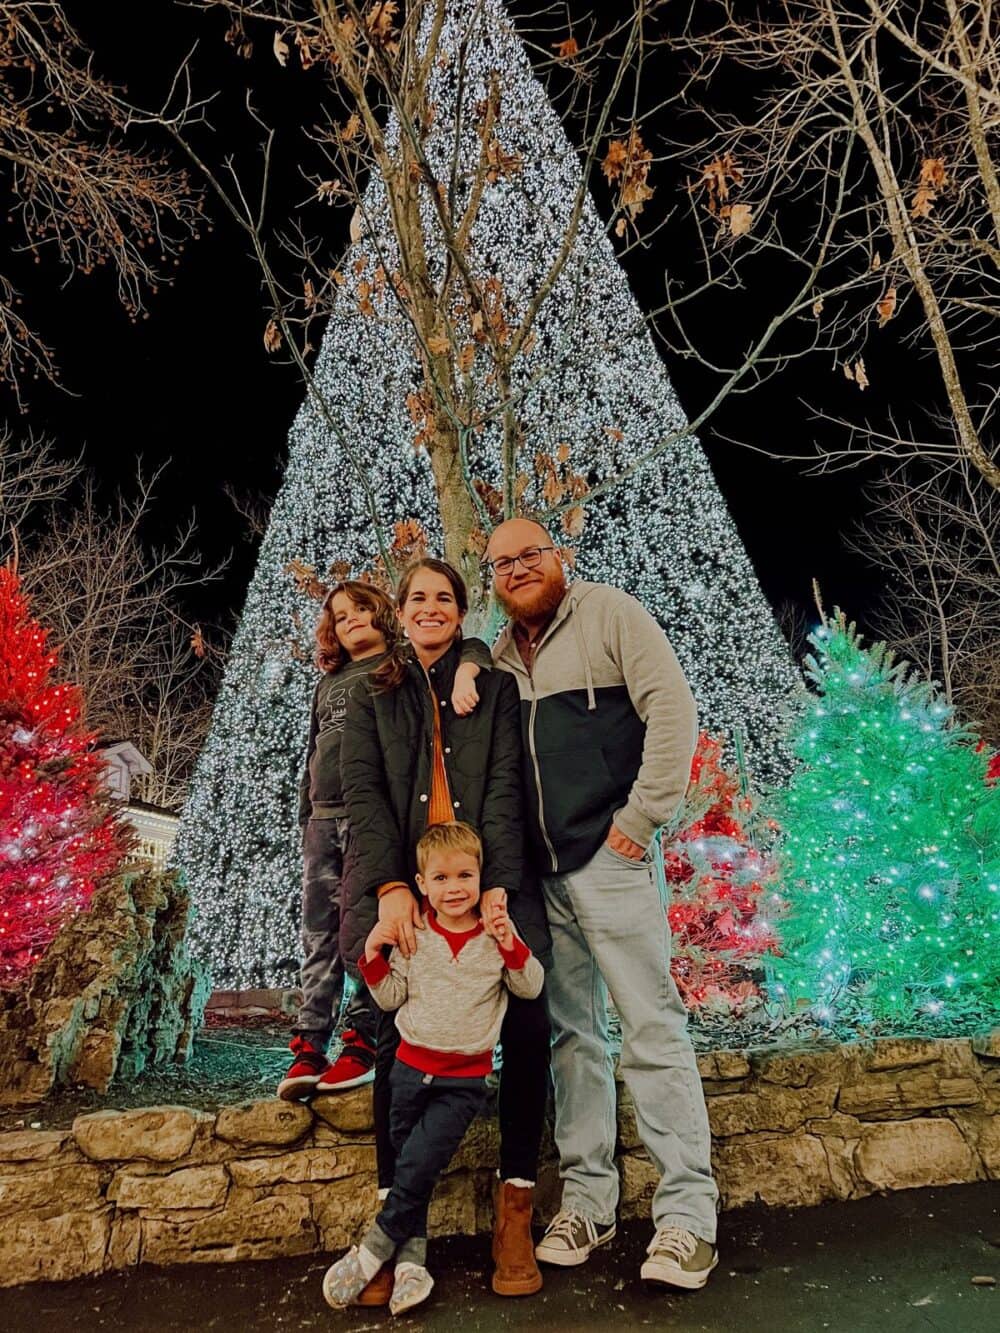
570,1239
412,1286
679,1258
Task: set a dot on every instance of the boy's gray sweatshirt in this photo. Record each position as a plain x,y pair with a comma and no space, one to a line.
451,996
609,725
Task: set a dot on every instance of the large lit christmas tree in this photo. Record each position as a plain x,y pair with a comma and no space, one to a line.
59,833
892,850
593,386
722,886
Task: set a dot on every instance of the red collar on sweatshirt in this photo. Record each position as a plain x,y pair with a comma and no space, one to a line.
456,938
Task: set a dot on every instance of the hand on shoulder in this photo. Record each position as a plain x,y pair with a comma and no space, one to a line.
464,695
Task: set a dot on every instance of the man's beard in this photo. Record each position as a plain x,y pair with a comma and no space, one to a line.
542,604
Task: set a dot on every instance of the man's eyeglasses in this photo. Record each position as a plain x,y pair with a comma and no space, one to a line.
530,559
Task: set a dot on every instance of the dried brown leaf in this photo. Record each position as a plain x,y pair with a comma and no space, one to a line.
553,490
501,164
327,192
613,165
718,177
490,497
567,49
272,336
573,521
477,543
281,49
933,173
740,219
438,344
886,307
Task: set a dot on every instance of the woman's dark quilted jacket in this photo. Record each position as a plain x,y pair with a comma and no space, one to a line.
386,759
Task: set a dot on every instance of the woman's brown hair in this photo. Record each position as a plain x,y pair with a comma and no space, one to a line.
391,673
330,652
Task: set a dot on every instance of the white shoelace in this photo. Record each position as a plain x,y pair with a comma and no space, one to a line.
563,1225
674,1242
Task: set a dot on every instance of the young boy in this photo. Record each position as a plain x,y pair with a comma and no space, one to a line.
450,997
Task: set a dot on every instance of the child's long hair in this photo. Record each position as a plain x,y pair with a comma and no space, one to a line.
330,652
392,672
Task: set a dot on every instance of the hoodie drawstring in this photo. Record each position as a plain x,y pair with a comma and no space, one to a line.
581,644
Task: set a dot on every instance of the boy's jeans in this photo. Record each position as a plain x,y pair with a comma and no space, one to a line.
610,932
429,1118
324,842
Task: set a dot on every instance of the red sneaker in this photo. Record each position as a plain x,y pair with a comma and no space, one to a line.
354,1065
304,1072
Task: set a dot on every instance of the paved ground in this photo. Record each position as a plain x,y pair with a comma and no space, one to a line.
899,1264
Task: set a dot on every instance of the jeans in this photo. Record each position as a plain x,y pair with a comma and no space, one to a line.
610,933
324,842
525,1038
430,1115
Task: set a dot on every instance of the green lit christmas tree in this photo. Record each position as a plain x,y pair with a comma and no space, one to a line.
892,851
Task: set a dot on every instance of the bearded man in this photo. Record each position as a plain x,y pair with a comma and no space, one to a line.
609,733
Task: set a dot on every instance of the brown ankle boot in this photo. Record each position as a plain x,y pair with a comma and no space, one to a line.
513,1247
379,1289
497,1217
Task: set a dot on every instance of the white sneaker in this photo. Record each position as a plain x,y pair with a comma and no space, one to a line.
679,1258
412,1286
569,1239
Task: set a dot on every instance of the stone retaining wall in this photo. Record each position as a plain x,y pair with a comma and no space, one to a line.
167,1185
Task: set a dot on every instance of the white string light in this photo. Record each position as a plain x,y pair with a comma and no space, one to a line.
666,537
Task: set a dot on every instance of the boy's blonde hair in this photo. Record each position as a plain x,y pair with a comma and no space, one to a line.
457,837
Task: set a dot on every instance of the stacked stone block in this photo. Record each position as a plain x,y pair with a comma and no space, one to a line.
168,1184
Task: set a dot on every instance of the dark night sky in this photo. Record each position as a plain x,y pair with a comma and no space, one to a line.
192,386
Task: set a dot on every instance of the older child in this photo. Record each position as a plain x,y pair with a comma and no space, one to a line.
450,996
356,628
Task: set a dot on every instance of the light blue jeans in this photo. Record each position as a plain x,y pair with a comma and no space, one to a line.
610,933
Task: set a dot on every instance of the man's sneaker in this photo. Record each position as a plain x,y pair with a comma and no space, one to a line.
412,1286
304,1072
569,1240
353,1066
679,1258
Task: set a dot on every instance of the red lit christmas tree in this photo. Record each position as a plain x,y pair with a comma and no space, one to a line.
59,832
721,887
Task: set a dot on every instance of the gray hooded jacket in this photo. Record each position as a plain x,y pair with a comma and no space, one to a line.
609,725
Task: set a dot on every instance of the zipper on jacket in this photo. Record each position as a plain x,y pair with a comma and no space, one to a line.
538,776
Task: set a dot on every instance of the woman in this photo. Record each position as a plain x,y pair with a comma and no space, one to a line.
409,760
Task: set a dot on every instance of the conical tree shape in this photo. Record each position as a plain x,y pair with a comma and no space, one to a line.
593,381
892,851
722,890
59,832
